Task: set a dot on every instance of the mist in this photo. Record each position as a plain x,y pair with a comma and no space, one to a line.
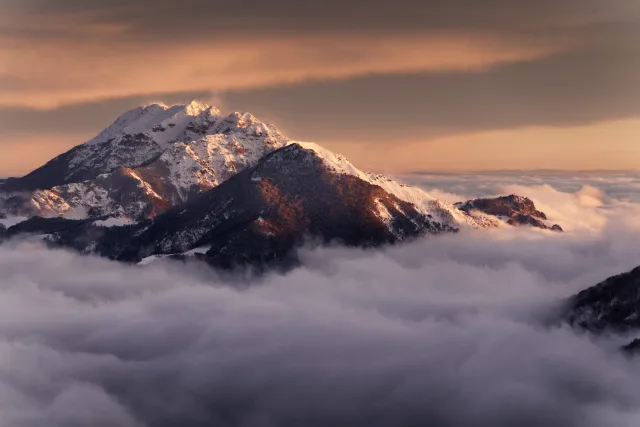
443,331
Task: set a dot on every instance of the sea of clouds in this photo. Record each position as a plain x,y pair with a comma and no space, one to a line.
444,331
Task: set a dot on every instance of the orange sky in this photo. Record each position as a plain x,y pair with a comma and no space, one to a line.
441,86
603,146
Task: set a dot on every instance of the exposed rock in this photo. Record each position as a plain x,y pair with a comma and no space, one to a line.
163,168
633,348
156,157
514,210
613,305
193,179
259,217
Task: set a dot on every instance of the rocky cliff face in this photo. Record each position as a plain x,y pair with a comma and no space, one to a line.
514,210
612,305
264,212
164,181
257,217
155,157
151,158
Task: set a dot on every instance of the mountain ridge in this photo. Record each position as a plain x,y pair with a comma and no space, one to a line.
157,161
130,173
137,137
201,149
258,216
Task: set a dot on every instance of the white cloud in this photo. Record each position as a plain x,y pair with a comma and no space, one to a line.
444,331
580,202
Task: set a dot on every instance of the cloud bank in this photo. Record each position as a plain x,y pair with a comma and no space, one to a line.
444,331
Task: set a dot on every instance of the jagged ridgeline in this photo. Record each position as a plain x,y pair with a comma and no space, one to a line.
187,180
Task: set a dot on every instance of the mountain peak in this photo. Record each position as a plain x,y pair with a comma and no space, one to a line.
154,116
194,108
156,156
154,105
142,134
192,178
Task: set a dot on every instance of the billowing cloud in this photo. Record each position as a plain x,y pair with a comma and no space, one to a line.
52,74
613,188
584,202
445,331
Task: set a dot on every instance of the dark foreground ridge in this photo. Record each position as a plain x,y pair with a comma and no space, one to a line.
612,306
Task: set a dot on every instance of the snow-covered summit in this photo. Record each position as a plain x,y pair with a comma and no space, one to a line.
149,159
167,123
177,123
141,135
156,156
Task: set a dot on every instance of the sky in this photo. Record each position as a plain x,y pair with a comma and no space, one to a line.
408,85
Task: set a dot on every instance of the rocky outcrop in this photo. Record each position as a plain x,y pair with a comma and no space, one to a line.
513,210
612,305
258,217
156,156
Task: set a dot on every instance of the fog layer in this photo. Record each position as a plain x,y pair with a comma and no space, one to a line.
445,331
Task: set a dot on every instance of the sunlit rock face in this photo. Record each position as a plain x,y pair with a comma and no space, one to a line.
155,157
170,181
512,209
148,160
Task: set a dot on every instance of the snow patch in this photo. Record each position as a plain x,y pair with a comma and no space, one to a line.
386,217
200,250
112,222
148,260
153,258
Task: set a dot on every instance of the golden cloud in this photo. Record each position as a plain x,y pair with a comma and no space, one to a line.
46,74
